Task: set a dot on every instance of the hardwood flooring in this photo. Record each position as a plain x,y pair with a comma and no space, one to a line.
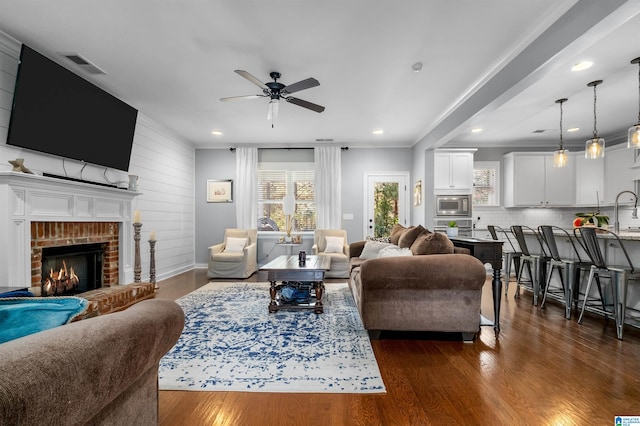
542,370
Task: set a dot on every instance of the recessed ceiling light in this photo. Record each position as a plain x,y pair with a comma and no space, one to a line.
573,129
582,65
417,67
216,132
377,131
476,130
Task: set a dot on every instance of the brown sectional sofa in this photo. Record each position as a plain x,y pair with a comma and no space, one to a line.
425,292
98,371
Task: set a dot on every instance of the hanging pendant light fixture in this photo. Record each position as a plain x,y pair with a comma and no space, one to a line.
560,156
633,140
594,147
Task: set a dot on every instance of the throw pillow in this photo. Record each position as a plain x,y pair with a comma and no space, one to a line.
395,233
23,316
235,245
409,236
379,239
334,244
394,251
432,243
372,248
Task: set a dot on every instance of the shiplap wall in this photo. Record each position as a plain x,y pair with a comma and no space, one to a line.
164,164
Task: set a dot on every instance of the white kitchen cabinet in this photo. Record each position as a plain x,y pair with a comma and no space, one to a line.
532,181
617,171
453,172
589,180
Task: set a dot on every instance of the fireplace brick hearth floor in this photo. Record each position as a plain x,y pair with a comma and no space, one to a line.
106,300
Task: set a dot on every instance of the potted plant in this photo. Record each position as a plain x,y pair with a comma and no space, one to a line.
452,229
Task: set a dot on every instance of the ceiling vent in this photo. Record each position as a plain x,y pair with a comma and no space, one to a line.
544,131
83,64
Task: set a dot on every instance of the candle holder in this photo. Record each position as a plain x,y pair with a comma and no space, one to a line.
137,266
152,263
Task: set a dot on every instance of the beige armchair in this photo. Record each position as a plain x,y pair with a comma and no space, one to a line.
333,243
236,256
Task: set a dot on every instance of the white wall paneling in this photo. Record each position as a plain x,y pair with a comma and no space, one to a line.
163,162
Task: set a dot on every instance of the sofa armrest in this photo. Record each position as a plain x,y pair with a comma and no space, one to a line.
355,249
217,248
461,250
251,252
68,374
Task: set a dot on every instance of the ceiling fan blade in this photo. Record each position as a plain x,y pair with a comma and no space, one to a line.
252,79
239,98
301,85
305,104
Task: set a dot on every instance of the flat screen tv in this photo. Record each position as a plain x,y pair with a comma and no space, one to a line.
57,112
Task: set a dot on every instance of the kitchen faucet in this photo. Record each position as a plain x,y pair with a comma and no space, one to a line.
634,215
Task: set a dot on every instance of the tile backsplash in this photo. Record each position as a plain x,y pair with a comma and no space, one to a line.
533,217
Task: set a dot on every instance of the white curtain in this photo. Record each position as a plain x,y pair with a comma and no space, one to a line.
328,187
247,188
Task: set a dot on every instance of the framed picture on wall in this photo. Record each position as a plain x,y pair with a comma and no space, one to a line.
219,191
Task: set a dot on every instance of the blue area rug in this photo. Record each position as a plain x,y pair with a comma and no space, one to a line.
232,343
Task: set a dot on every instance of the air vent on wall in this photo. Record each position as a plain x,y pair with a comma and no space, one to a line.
83,63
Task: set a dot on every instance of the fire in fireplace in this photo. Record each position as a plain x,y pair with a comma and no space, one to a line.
74,269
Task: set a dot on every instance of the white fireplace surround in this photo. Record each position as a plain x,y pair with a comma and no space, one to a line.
26,198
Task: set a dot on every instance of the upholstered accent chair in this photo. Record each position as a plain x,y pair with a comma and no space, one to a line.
333,243
236,256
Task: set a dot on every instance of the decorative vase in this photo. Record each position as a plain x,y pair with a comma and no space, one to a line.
452,232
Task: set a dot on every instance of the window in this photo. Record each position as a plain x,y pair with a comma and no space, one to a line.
274,181
486,183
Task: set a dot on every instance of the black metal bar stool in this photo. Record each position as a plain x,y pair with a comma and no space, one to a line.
510,255
568,268
620,275
528,259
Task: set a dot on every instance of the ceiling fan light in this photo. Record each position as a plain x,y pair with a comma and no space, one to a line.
594,148
274,105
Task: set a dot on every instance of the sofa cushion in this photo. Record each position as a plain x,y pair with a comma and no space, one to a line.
394,251
395,233
372,248
431,243
409,235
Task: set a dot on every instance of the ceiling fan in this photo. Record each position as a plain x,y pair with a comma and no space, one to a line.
276,91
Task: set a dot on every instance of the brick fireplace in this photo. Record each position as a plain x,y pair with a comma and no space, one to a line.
59,234
38,212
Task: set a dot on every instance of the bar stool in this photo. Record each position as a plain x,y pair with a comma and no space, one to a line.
568,269
510,256
620,275
528,259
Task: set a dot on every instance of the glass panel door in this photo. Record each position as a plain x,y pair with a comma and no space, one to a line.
386,203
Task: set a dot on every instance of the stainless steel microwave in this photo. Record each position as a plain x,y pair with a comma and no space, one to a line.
453,205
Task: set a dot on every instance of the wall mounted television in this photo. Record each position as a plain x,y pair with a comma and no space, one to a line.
57,112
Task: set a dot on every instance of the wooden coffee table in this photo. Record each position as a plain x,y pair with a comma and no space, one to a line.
288,268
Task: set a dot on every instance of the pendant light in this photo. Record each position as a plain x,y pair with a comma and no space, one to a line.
594,147
560,156
633,141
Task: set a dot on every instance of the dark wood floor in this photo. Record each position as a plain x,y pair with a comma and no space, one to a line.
542,370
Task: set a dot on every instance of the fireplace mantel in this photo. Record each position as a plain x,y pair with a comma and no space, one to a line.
26,198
